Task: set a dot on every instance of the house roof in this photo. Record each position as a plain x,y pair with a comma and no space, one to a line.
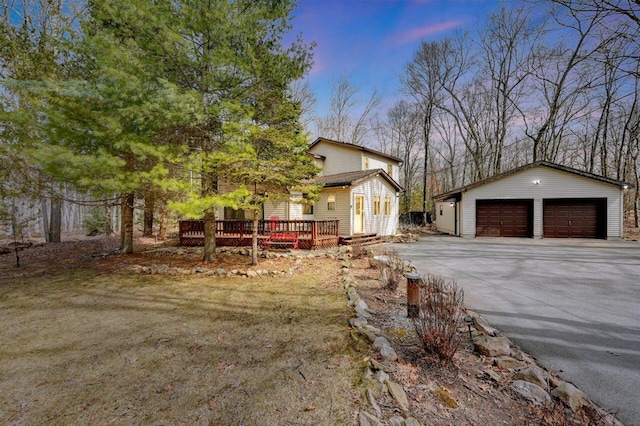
354,146
566,169
354,178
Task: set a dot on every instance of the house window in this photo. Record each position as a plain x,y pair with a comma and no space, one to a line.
387,206
366,163
376,205
390,170
440,209
331,202
307,206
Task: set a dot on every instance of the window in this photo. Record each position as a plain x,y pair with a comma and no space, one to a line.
440,209
307,206
366,163
390,170
387,206
376,205
331,202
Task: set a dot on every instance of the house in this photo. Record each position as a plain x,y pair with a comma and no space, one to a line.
538,200
359,190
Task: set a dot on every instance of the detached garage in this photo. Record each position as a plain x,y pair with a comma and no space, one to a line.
539,200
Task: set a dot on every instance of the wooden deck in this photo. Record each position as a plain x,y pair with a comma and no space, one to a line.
312,234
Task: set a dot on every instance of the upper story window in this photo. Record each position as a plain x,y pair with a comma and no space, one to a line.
390,169
331,202
366,163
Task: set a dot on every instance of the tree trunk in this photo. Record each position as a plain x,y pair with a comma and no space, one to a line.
45,221
164,218
254,237
55,225
126,240
209,186
209,252
108,228
149,205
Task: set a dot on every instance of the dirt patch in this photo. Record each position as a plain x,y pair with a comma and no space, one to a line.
88,342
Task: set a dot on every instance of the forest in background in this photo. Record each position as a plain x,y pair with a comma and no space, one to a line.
144,105
552,80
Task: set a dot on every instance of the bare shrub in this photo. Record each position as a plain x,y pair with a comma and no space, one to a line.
392,270
440,317
358,251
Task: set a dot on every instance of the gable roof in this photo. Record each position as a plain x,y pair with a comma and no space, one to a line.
566,169
354,146
355,178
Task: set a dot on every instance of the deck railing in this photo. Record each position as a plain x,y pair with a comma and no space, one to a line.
305,229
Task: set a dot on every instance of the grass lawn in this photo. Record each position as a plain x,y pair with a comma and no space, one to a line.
81,346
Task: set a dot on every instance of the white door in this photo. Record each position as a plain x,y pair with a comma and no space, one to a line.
358,215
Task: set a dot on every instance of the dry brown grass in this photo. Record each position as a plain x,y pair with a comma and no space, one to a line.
82,346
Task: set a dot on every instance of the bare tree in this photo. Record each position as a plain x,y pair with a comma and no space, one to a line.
348,118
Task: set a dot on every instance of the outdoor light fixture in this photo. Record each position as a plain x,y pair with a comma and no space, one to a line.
450,204
469,320
536,182
625,186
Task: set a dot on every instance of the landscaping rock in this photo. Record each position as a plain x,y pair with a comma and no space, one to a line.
377,344
531,374
386,367
396,421
481,325
362,309
358,322
136,268
221,272
367,419
252,274
410,421
397,392
388,353
381,376
373,402
491,346
507,363
570,395
162,269
353,296
530,391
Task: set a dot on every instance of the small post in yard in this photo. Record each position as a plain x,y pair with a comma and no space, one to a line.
413,294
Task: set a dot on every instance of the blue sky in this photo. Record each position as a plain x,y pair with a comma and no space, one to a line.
370,41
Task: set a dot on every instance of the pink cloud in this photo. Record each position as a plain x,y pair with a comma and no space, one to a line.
423,31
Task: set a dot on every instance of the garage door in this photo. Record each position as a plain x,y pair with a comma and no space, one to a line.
504,218
575,218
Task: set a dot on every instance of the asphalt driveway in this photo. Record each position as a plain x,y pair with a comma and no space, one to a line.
573,304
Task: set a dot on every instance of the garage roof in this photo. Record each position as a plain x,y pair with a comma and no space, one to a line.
455,192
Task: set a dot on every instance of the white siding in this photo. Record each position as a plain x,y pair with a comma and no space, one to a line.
377,162
553,184
446,217
342,211
278,210
381,224
339,159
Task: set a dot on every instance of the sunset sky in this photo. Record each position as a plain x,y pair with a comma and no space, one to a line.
371,41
